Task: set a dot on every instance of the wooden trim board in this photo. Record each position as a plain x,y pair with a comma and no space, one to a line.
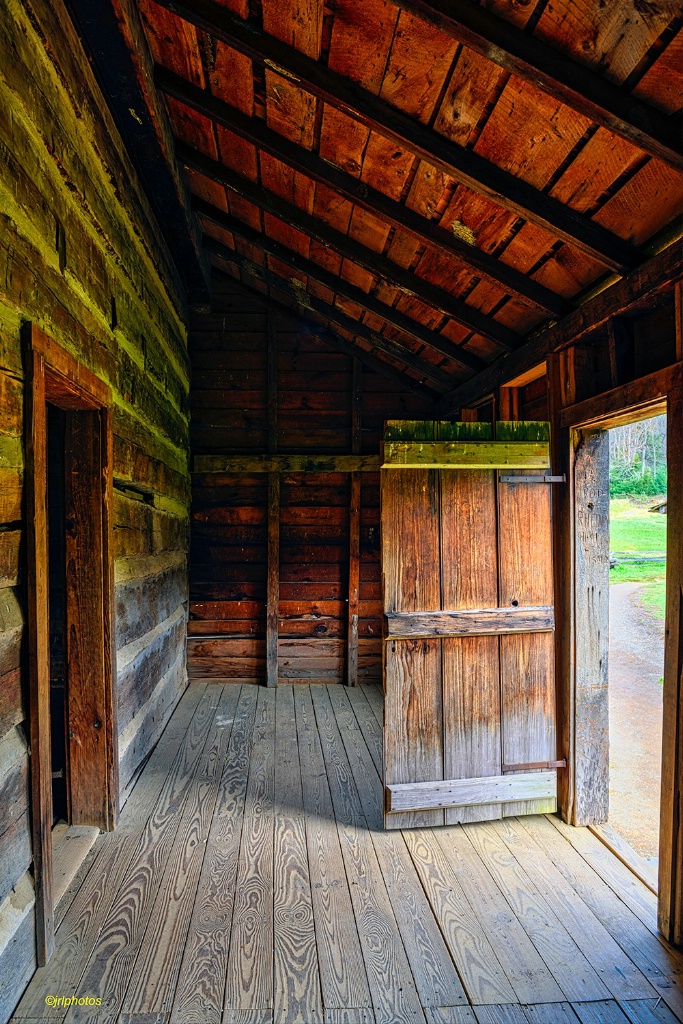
469,622
466,455
496,789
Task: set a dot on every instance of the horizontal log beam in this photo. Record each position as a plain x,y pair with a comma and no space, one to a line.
660,272
426,232
466,455
495,789
555,73
469,622
325,334
286,464
411,284
642,393
463,165
440,379
393,317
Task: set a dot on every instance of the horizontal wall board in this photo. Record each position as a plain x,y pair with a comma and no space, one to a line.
466,455
314,463
469,622
496,789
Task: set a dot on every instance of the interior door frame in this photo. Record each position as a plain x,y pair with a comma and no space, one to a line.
660,392
53,375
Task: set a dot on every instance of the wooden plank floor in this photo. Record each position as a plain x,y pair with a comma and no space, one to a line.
250,882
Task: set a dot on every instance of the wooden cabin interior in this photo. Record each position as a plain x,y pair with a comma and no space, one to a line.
314,317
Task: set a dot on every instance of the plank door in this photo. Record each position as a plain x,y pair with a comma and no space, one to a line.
469,690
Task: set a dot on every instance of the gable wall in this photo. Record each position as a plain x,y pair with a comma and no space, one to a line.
229,512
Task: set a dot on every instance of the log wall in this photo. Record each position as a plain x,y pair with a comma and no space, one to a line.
81,256
314,414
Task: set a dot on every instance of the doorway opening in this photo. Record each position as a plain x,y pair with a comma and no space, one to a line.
72,709
56,539
637,525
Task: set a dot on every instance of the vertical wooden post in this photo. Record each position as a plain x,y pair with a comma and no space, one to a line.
354,529
38,648
273,557
110,702
670,913
561,496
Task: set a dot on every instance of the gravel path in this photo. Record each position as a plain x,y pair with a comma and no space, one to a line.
636,664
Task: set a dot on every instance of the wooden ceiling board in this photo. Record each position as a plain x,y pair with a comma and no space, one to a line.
645,204
299,23
419,62
245,211
280,179
231,78
368,229
174,43
386,166
285,233
403,248
661,85
473,82
488,223
331,208
362,32
237,154
427,190
517,12
610,37
238,7
290,110
354,274
192,128
343,141
601,162
530,134
207,189
568,272
324,257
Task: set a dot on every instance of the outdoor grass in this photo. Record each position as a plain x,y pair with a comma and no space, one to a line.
633,529
653,597
630,572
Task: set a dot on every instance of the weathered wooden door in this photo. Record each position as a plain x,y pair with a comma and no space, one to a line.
469,720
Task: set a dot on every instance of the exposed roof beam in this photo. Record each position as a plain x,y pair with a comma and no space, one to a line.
427,232
555,73
462,164
441,381
120,64
374,263
659,272
349,291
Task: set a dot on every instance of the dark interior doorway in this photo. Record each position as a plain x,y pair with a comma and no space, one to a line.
56,536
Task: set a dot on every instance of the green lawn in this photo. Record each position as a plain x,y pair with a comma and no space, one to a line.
633,529
653,597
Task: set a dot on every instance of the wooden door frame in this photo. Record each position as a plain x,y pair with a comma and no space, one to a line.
657,393
53,375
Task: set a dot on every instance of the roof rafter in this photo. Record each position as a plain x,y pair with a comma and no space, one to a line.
556,74
659,272
427,232
393,317
441,381
142,121
373,262
463,165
